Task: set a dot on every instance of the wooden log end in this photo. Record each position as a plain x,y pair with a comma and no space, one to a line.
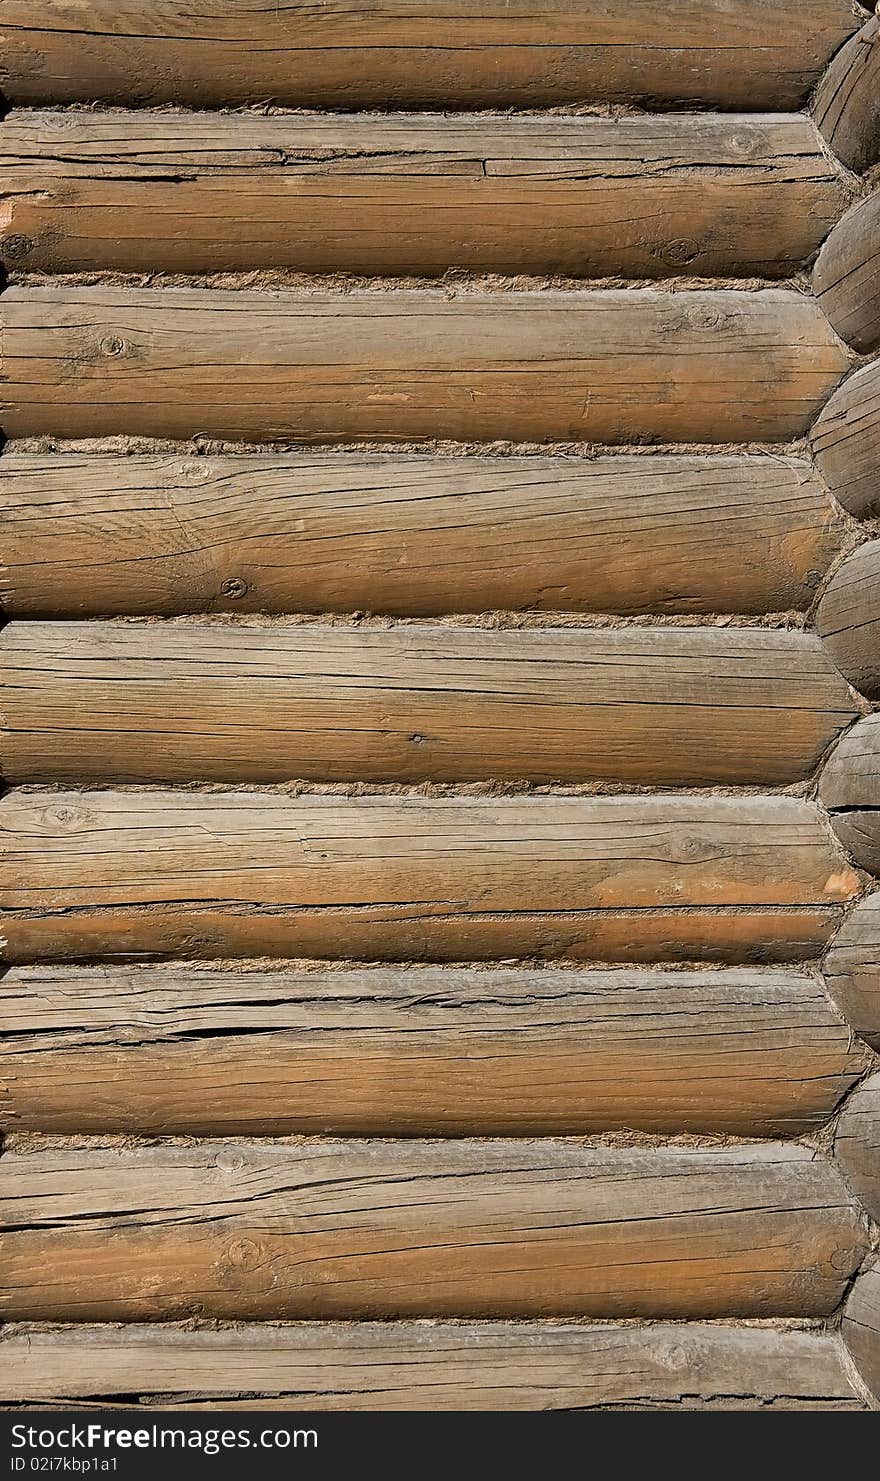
846,107
861,1329
850,790
846,442
857,1144
846,278
852,969
848,619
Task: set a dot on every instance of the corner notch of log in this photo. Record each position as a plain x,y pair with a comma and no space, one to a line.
851,969
848,619
849,789
846,278
857,1144
845,442
846,107
860,1329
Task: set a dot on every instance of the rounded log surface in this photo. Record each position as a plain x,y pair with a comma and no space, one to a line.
850,789
852,969
846,279
861,1329
846,442
857,1143
847,103
848,619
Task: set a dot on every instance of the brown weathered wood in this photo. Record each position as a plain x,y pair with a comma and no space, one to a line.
852,969
605,365
418,1051
398,193
418,1228
846,278
857,1143
245,701
429,1365
849,788
752,53
848,618
180,874
847,103
410,535
846,442
861,1329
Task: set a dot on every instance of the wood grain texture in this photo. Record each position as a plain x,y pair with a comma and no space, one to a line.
857,1143
429,1366
846,442
636,197
848,618
416,1228
418,1051
847,102
179,874
752,53
239,701
861,1329
846,278
410,535
604,365
849,788
852,969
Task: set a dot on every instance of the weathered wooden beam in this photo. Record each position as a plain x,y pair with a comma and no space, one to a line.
410,535
398,193
604,365
850,789
419,1051
847,102
246,701
848,618
429,1365
423,1228
846,442
181,874
751,53
851,969
846,278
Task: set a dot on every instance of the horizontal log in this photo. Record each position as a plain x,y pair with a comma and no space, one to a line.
852,969
861,1329
474,1228
418,1051
231,701
219,52
850,789
181,874
846,442
85,536
847,102
848,618
846,278
429,1366
603,365
857,1144
584,196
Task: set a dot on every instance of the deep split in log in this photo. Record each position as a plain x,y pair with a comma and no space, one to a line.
713,195
154,874
849,787
419,1051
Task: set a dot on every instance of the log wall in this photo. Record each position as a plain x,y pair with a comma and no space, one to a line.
438,860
